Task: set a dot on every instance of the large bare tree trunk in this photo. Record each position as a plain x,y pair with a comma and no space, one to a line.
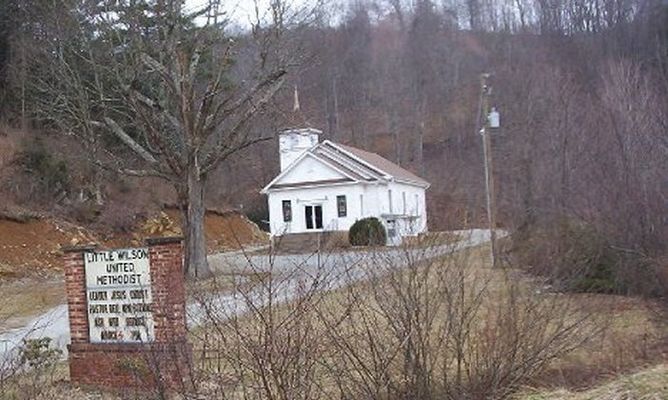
193,227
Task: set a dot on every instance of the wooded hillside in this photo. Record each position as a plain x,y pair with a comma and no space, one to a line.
581,85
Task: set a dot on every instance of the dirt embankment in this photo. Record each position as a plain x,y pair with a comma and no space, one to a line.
226,230
30,244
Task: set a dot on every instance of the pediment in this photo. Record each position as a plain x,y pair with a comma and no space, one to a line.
310,169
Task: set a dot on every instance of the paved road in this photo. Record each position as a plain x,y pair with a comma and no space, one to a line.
331,270
338,260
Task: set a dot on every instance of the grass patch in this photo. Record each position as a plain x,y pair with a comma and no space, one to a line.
22,301
647,384
359,334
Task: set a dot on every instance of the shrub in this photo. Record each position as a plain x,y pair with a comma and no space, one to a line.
86,212
31,372
114,216
38,353
367,232
48,172
258,213
576,256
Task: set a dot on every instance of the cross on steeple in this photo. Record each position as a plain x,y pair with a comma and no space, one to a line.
295,107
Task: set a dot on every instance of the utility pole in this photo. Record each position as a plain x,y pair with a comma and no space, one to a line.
490,121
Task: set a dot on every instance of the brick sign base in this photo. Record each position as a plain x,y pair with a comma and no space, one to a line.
163,363
119,366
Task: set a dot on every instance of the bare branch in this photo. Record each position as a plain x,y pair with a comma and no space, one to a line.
125,138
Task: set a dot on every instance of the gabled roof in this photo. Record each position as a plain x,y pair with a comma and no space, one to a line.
385,165
355,164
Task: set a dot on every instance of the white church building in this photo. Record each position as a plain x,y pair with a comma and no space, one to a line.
327,186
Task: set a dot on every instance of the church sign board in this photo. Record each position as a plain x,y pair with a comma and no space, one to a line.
127,307
119,296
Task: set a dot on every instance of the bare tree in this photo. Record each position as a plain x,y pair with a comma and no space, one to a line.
175,89
264,341
414,326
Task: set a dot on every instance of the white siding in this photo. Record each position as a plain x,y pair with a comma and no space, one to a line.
362,200
325,196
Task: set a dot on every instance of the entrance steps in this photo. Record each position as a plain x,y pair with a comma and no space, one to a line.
310,242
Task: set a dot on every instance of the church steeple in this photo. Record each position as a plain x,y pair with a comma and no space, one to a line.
298,136
296,119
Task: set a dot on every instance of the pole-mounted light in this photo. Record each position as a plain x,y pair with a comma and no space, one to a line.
491,121
494,119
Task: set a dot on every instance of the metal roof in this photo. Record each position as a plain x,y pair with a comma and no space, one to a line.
360,165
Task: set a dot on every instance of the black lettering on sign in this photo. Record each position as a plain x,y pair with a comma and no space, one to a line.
97,309
99,322
113,308
120,268
121,279
133,254
118,295
118,279
96,296
113,321
103,256
110,335
139,294
135,308
135,335
135,321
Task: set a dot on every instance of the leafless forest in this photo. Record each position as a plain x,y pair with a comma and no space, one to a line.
581,86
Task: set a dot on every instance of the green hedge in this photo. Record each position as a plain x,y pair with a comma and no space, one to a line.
367,232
